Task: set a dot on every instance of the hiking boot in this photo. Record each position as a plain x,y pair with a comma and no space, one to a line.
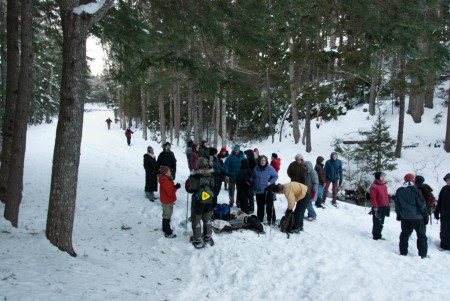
172,235
198,244
311,219
208,240
295,231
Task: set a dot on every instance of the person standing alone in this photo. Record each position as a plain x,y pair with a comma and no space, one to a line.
151,174
380,204
128,133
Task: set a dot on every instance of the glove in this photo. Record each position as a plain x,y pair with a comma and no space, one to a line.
288,212
177,186
425,220
376,213
388,211
399,218
313,194
436,215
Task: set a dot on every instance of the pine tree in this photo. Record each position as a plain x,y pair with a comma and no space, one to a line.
377,151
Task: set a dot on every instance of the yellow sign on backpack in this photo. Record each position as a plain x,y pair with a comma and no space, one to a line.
205,196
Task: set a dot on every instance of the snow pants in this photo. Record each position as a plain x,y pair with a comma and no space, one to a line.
418,225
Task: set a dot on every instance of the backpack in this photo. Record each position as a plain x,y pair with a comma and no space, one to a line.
254,223
287,223
204,194
187,185
431,202
222,211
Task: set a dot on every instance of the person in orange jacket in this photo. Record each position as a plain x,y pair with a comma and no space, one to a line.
168,196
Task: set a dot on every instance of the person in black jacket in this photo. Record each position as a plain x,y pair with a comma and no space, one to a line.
244,186
412,212
443,212
217,174
167,158
151,174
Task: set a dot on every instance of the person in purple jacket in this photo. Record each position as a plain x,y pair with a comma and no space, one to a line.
263,177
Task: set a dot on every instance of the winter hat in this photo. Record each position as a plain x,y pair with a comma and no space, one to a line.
274,155
379,174
223,149
237,147
164,169
420,180
277,188
255,150
409,177
447,177
212,151
194,147
332,154
298,157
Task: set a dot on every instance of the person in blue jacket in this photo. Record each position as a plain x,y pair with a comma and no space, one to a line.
231,166
333,175
263,177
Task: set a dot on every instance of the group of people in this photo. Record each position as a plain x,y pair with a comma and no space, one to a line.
414,205
247,176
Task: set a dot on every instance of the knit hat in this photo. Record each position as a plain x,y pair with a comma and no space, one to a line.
274,155
164,169
409,177
212,151
223,149
379,174
447,177
298,157
255,150
237,147
420,180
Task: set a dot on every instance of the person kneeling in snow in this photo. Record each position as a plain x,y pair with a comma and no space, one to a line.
297,194
168,197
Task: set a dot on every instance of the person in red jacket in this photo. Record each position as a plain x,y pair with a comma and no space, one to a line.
380,204
128,133
168,196
275,162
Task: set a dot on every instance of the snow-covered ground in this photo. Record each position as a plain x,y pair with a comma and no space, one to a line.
123,255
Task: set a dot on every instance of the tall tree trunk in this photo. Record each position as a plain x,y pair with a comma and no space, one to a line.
144,103
200,118
293,93
3,52
15,179
162,118
195,117
48,105
189,113
12,90
217,120
177,109
401,113
447,131
373,86
416,99
308,125
171,109
269,106
223,116
66,157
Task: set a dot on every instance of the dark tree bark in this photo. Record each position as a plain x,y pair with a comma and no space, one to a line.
12,90
162,118
447,132
66,157
401,113
308,125
15,179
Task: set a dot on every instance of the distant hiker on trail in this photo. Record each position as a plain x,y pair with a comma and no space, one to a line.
193,157
380,204
311,181
263,177
128,133
427,193
201,206
412,212
167,158
275,162
203,151
333,175
168,196
296,195
108,123
443,212
321,174
151,174
232,165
